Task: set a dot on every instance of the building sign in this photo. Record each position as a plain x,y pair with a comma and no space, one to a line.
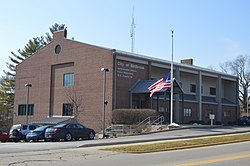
128,69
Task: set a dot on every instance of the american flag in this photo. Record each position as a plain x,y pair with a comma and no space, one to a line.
163,83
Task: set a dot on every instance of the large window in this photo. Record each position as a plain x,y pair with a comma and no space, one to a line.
187,112
212,91
22,109
227,114
192,88
67,109
68,79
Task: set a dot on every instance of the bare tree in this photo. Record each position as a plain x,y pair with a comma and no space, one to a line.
240,67
76,99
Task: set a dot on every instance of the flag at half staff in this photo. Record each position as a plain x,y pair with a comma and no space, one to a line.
162,84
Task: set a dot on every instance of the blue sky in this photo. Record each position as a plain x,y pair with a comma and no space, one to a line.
209,31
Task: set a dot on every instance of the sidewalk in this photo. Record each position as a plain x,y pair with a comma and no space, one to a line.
183,132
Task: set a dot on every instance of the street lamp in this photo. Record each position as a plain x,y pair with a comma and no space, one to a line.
27,101
105,102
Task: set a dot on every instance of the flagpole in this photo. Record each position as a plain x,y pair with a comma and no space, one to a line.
172,82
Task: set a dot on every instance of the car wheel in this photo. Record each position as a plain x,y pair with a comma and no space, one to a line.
68,137
91,135
15,132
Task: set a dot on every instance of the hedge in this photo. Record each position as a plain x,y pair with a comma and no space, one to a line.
131,116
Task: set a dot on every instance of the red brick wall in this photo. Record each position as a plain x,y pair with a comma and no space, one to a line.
127,74
44,70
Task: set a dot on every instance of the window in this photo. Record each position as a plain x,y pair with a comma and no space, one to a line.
67,109
187,112
192,88
24,127
212,91
71,126
227,114
22,109
32,127
80,126
68,79
57,49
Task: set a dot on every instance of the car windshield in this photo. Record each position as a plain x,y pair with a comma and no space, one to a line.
32,127
41,128
60,125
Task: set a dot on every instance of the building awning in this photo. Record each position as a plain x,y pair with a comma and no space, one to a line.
141,86
54,120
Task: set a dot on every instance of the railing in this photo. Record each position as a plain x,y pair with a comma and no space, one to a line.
158,121
152,120
120,129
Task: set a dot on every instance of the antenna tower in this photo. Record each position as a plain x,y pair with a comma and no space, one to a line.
132,32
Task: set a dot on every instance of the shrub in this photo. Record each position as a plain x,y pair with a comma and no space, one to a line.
131,116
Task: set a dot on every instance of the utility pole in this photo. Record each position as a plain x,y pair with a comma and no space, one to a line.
27,101
105,102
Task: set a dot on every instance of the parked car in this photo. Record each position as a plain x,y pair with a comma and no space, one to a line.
19,131
68,132
4,136
37,134
244,120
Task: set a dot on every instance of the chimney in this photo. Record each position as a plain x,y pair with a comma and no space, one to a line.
60,34
187,61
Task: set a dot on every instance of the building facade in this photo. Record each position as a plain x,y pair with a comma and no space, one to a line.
67,71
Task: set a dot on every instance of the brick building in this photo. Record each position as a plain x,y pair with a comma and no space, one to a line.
66,67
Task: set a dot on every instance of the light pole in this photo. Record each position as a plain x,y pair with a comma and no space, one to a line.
27,100
105,102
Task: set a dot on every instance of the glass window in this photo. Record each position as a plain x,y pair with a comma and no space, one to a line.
68,79
67,109
80,126
187,112
32,127
71,126
227,114
192,88
212,91
59,125
25,127
22,109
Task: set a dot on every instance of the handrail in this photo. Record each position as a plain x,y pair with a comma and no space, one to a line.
158,121
142,122
150,121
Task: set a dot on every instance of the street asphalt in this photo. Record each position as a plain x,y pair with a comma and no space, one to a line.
75,153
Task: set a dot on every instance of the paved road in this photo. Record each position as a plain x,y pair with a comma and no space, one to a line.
230,155
185,132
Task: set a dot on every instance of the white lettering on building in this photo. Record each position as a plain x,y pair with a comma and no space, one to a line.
127,70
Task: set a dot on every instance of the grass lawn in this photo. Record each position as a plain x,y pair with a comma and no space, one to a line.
181,144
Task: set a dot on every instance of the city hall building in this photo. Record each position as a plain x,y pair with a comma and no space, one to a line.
67,66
